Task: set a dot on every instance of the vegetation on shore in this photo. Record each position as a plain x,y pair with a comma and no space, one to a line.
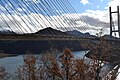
49,66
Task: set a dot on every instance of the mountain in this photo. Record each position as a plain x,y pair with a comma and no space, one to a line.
77,33
7,32
74,32
51,31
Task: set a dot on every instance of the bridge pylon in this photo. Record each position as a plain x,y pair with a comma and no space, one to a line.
112,26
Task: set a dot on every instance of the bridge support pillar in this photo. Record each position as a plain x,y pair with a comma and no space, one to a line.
112,26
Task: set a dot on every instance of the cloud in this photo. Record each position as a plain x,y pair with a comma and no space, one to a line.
100,18
80,23
95,22
102,15
97,18
16,23
38,21
84,2
113,4
92,20
98,6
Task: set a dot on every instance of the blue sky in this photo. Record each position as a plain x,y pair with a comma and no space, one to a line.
94,12
92,5
79,6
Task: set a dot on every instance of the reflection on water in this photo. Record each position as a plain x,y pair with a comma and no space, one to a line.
79,54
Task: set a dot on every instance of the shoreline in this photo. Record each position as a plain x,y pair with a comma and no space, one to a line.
4,55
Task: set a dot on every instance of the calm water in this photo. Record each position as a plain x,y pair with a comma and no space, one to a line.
12,63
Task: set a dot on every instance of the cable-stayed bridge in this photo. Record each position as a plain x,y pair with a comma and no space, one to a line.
45,20
38,20
22,20
30,16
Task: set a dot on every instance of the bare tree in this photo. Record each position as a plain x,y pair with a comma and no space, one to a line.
61,67
3,74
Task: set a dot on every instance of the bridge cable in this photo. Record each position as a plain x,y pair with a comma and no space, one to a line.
71,16
22,18
38,9
60,14
52,12
9,17
57,14
2,21
77,14
67,10
31,22
17,22
34,16
46,10
5,21
17,13
68,5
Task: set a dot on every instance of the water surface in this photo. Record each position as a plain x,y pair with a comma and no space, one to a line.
12,63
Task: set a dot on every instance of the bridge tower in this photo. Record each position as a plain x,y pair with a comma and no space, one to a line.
112,26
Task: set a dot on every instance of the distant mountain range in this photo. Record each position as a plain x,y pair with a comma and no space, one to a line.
78,33
38,46
49,31
7,32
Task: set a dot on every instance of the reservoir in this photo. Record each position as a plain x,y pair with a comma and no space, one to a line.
12,63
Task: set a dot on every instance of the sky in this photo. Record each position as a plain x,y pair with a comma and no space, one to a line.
82,5
94,15
29,15
96,12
